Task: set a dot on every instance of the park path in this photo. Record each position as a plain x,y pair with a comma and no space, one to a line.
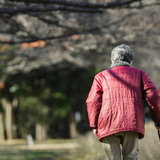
23,145
63,146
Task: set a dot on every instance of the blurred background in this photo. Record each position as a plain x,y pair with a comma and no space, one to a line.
50,51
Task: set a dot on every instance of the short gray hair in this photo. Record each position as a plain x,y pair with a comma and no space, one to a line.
122,53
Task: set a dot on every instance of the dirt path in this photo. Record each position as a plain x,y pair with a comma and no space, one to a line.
22,145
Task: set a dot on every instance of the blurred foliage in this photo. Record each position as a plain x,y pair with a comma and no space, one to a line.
50,98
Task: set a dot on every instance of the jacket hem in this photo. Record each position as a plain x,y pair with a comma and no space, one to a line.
141,134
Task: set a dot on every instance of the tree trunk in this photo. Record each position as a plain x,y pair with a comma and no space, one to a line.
9,120
73,126
44,132
1,128
15,128
8,117
41,132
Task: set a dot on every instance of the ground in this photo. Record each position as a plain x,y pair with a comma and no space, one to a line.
85,147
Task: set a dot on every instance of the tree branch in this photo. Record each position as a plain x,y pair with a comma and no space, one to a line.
56,23
79,4
46,9
148,5
85,31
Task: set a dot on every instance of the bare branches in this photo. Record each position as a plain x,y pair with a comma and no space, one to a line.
148,5
63,6
79,4
53,37
46,9
41,8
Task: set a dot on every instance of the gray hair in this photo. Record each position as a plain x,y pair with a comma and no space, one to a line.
122,53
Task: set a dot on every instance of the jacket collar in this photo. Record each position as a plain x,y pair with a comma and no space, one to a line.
119,63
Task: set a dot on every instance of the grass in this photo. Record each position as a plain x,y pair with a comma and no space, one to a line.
12,154
88,148
48,150
26,155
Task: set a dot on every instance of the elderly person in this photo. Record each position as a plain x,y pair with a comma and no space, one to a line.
115,105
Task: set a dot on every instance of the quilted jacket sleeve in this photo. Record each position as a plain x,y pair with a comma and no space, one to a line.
94,101
152,96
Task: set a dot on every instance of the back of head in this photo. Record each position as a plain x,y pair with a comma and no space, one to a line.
122,53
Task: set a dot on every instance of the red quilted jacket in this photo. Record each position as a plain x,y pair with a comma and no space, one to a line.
115,101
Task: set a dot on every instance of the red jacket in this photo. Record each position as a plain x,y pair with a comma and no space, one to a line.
115,101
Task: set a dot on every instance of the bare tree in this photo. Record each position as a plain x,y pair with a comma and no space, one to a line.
47,35
34,24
